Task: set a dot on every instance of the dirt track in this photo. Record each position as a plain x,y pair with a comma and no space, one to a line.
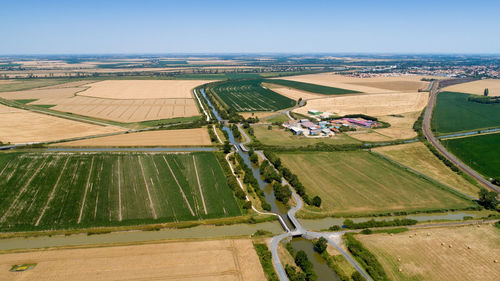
206,260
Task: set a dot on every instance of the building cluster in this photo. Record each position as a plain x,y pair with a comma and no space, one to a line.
327,128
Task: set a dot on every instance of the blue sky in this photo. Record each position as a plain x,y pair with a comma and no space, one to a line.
273,26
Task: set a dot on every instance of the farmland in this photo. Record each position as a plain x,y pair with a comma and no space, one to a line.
186,137
82,190
454,113
249,95
481,153
22,126
142,89
477,87
369,104
402,83
359,182
123,101
456,253
312,88
418,157
200,260
401,128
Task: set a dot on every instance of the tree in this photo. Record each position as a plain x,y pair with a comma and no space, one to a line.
488,199
254,158
316,201
486,92
356,276
282,193
270,127
320,245
247,205
227,147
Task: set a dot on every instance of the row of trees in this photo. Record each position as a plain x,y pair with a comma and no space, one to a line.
292,179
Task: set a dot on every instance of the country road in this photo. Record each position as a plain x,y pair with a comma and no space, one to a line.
432,139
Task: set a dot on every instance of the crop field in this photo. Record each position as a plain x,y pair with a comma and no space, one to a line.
388,84
312,88
359,182
454,113
477,87
183,137
249,95
440,254
120,100
22,126
418,157
143,89
369,104
481,153
222,260
73,190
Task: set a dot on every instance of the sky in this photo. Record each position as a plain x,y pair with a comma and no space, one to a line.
252,26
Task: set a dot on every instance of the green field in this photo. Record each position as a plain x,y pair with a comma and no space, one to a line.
308,87
249,95
453,113
481,153
49,191
358,182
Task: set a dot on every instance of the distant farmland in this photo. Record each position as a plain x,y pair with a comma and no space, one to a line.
479,152
359,182
454,113
47,191
249,95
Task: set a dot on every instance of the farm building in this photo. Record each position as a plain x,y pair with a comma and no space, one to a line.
314,132
296,130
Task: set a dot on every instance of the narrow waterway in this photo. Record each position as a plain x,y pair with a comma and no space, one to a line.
276,207
197,232
323,271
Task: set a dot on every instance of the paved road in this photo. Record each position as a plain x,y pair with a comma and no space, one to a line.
432,139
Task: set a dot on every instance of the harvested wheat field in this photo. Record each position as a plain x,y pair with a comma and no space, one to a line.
143,89
22,126
223,260
185,137
477,87
418,157
42,94
403,83
373,105
401,128
125,111
455,253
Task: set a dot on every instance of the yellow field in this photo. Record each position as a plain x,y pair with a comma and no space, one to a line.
401,128
66,98
143,89
223,260
477,87
22,126
186,137
418,157
403,83
373,105
441,254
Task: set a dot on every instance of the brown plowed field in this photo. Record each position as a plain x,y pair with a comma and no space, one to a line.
206,260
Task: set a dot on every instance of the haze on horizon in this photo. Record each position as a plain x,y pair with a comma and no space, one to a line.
150,26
